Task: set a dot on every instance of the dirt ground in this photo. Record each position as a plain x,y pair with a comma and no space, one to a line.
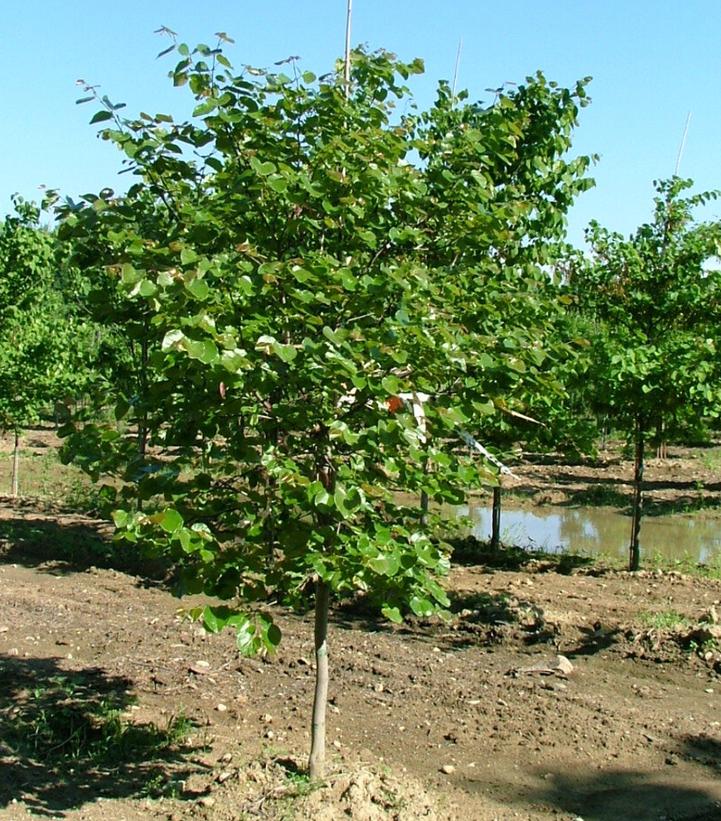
477,719
688,480
426,721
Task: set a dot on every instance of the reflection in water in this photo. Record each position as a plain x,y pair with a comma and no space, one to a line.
593,530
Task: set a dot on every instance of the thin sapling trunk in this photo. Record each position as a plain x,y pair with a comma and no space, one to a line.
424,494
496,519
316,764
634,549
661,444
424,508
143,430
15,479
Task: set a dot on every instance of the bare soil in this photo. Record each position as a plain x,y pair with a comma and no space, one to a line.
475,719
687,480
467,720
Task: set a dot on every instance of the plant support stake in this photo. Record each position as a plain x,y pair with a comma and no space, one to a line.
346,67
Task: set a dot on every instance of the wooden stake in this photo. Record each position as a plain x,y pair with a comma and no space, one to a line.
683,145
455,70
346,72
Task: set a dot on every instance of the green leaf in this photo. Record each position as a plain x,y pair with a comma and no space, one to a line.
101,116
120,518
391,385
287,353
188,256
212,621
129,275
278,183
274,635
245,638
120,411
385,565
392,614
171,521
263,169
265,343
198,288
421,607
204,351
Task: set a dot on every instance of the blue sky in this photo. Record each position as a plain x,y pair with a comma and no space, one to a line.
652,62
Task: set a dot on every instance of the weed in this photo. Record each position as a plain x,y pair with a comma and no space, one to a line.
687,564
711,459
664,620
600,496
63,721
300,782
160,786
700,648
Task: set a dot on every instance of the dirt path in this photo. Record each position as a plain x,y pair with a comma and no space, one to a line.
688,480
632,732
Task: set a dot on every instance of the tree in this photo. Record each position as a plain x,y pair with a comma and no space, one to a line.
500,183
288,256
653,302
39,343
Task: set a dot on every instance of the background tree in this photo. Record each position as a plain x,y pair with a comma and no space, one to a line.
653,303
40,343
287,253
500,182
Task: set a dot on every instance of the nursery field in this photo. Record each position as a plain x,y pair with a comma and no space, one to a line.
114,706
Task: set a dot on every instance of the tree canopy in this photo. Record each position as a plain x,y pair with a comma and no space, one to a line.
653,303
299,256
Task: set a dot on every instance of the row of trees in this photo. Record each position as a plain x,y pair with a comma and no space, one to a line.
304,302
650,306
46,341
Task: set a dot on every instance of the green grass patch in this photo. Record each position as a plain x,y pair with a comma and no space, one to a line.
42,476
65,720
664,620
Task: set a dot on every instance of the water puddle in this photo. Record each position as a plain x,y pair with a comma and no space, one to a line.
594,530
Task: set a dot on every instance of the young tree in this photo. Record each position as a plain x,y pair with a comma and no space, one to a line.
654,304
288,256
500,183
39,342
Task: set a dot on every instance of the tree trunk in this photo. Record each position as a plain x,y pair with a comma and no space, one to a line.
424,508
603,427
496,519
15,479
661,444
316,763
143,431
634,550
424,494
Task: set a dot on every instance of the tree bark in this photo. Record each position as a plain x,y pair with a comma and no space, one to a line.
496,519
661,444
316,763
424,494
143,431
424,508
634,557
15,479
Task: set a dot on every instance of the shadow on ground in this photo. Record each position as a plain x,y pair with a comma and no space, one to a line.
65,740
61,546
702,749
471,552
593,640
612,795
